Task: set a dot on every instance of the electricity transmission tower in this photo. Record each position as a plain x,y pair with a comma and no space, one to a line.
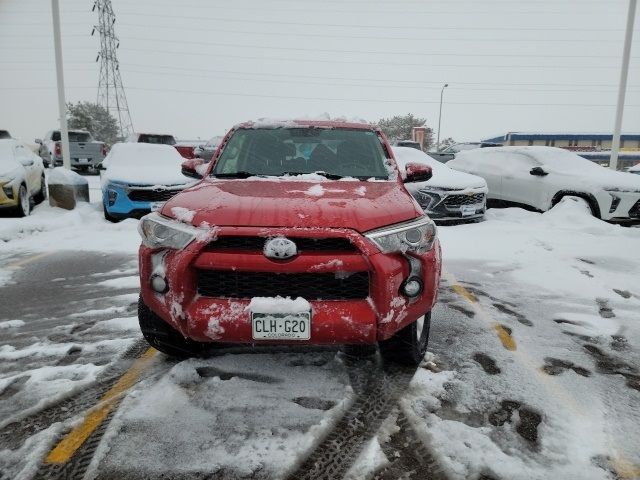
110,90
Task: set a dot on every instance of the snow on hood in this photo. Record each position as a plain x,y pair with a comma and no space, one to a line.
9,166
443,176
144,164
555,160
276,203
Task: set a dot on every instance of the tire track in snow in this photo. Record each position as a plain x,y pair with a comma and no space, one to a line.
378,387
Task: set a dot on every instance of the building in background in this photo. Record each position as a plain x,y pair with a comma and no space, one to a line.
593,146
588,142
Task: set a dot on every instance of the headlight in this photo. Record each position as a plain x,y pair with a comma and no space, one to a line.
8,190
159,232
413,236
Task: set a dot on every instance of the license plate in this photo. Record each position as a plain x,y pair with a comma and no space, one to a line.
83,160
281,326
155,206
468,210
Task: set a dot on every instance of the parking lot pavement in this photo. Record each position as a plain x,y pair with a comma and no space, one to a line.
528,375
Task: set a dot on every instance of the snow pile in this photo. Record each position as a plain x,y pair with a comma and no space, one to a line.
82,228
144,164
278,305
64,176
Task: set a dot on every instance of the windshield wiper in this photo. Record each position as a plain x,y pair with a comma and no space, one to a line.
240,174
330,176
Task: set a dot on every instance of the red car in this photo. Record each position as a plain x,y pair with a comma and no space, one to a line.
301,232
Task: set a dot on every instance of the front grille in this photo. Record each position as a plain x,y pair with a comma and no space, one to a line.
304,244
151,195
311,286
634,212
455,201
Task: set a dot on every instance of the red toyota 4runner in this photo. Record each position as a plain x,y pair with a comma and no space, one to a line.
301,232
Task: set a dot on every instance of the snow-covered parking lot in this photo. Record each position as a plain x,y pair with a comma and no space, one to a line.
533,370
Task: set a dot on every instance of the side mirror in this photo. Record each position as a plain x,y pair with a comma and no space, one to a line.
417,172
538,171
192,167
38,141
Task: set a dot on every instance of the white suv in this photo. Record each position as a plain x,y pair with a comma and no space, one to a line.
538,177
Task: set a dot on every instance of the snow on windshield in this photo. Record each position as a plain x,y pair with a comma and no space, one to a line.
144,163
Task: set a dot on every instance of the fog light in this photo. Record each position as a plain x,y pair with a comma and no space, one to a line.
159,284
412,287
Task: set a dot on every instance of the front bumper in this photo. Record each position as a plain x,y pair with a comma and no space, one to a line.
366,320
627,208
116,200
79,162
452,205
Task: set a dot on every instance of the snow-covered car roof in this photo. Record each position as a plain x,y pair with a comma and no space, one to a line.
443,176
552,160
144,164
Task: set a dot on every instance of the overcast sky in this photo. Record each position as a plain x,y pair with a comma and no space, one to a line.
195,68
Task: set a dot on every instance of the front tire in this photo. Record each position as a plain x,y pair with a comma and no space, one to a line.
164,338
408,346
24,203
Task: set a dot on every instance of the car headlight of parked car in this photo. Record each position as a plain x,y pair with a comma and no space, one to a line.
414,236
428,197
160,232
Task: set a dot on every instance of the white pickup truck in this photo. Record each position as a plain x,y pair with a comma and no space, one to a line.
84,150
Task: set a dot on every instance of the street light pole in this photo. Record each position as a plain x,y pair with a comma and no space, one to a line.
62,104
624,72
440,116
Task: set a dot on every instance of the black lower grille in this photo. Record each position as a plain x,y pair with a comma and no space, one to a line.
304,244
634,212
158,195
311,286
455,201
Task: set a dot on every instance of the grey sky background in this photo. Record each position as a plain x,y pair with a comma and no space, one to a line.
195,68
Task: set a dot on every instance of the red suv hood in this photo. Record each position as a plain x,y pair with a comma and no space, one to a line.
361,206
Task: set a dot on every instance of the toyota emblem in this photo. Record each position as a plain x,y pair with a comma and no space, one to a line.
280,248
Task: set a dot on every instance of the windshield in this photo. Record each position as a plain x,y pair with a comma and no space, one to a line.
77,137
159,139
293,151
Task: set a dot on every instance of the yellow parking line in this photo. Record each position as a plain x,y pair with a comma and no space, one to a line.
625,469
463,292
24,261
67,447
505,337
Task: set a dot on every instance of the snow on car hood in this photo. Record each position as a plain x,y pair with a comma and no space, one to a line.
9,167
443,176
274,202
144,164
553,160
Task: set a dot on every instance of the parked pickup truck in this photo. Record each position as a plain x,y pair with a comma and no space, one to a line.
84,150
185,150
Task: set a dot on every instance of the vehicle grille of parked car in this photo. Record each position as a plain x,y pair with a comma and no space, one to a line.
152,194
343,274
311,286
302,244
634,212
456,201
